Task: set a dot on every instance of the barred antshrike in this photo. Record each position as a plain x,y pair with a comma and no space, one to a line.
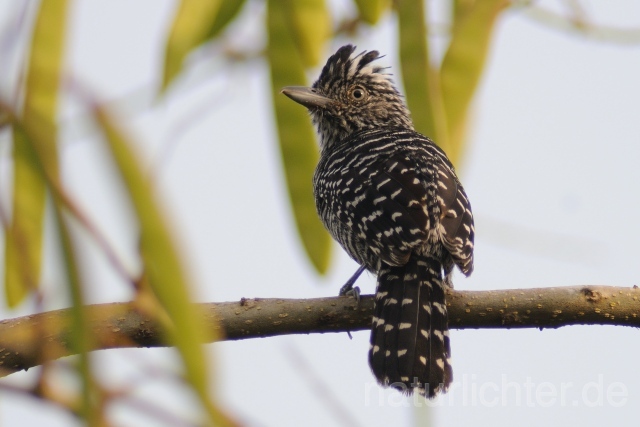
392,200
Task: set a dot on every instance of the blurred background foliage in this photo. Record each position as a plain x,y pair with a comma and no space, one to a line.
439,89
299,34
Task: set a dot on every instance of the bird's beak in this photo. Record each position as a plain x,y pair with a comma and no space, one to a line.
306,96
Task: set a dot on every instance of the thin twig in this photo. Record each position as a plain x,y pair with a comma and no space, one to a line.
321,390
579,24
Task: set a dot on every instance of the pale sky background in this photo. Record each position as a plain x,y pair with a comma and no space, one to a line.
552,171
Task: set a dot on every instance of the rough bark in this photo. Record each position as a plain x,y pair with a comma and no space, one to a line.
30,341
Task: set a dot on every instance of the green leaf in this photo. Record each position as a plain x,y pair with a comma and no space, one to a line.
227,12
23,240
311,25
421,85
371,10
463,64
163,267
81,338
461,8
190,28
297,138
23,252
31,146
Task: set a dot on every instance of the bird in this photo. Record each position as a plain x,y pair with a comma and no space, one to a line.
391,198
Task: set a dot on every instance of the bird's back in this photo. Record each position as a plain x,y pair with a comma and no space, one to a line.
384,193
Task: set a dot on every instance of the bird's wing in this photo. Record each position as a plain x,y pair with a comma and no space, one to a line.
396,201
456,218
423,194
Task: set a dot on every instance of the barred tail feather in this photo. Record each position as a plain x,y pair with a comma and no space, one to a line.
387,308
440,371
409,335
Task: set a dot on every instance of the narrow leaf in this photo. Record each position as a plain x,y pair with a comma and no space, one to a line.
190,28
297,137
81,340
463,64
371,10
420,78
40,105
311,24
227,12
23,240
163,267
460,9
31,147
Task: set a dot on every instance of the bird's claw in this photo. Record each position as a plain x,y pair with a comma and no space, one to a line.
353,292
348,289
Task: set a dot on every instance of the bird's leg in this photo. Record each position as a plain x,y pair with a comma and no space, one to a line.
348,289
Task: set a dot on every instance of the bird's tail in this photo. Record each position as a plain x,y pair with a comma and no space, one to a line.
410,335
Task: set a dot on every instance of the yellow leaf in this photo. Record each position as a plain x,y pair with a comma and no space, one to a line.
311,25
190,28
371,10
24,242
163,268
463,64
297,138
421,85
81,339
228,10
22,253
460,8
31,147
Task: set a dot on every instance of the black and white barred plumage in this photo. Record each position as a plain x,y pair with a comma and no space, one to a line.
392,200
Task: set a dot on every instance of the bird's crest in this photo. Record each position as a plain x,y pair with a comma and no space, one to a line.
345,66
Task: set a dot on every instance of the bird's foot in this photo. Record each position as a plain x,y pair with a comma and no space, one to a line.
348,289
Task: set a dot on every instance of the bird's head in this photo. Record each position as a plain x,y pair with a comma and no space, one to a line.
351,94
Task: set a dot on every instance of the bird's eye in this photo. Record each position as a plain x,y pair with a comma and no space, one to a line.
358,93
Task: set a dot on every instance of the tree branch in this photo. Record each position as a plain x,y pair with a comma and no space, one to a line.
30,341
